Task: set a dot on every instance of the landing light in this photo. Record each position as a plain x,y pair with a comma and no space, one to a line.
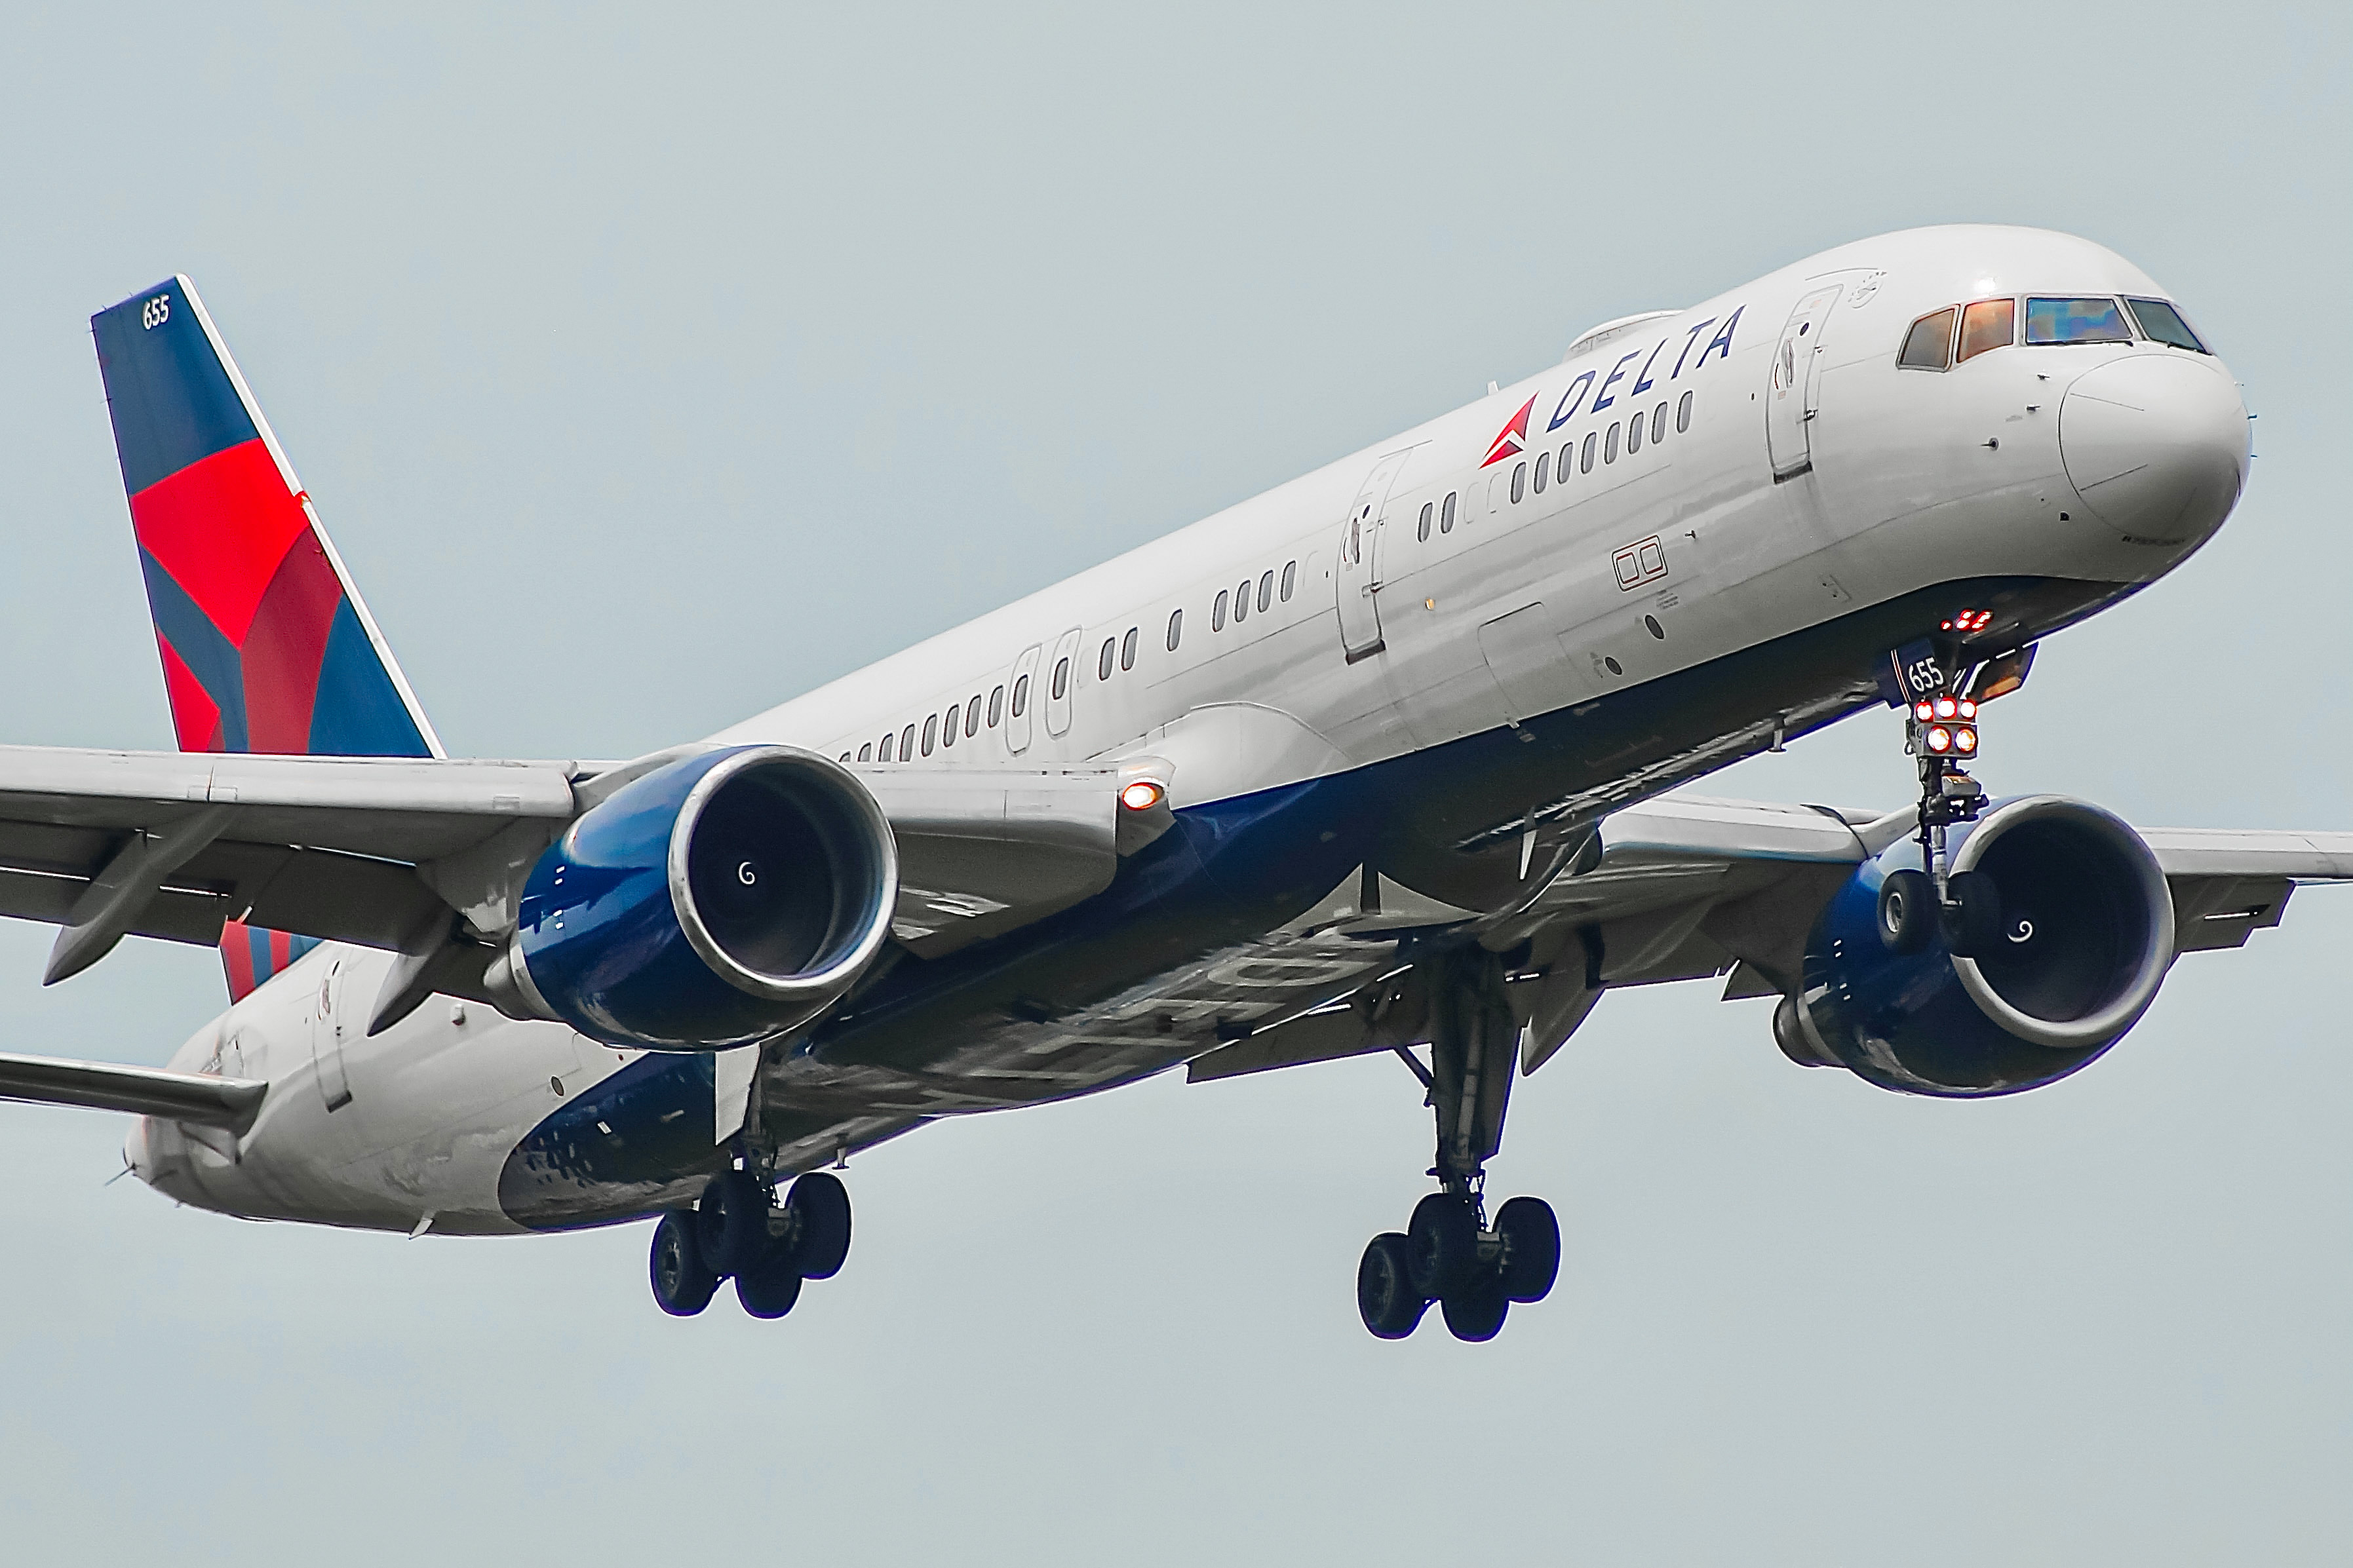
1965,740
1141,796
1940,740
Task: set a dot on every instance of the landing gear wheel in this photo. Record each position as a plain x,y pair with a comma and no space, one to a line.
1531,1248
1476,1311
770,1287
1972,915
818,1207
682,1281
1443,1240
733,1223
1908,910
1385,1297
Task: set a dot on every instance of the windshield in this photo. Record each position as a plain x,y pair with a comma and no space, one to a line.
2161,322
2088,320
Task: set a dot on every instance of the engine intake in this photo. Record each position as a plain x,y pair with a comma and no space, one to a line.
719,899
2087,935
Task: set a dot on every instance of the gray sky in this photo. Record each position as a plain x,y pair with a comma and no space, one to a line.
649,369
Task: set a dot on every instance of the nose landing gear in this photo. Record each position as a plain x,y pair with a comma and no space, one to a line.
740,1231
1449,1253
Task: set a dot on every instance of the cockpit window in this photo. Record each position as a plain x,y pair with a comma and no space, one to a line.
1987,324
2050,320
1929,344
2161,322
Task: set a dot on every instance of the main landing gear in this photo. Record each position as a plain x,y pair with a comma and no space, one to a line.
1449,1253
740,1231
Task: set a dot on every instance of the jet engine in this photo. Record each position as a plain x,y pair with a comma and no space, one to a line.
719,899
2069,935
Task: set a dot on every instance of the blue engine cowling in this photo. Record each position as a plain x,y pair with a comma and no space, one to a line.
716,901
2087,935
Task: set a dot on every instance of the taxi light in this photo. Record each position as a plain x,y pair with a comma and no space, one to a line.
1923,712
1141,796
1940,740
1946,707
1968,709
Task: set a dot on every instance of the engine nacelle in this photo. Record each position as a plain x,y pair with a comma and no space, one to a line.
2086,937
717,900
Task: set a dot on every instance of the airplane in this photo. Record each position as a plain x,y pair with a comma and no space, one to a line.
1385,760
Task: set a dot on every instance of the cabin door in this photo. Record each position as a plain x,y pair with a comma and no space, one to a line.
1358,578
327,1030
1796,384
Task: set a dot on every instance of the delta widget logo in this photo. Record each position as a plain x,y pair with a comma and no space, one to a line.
1513,439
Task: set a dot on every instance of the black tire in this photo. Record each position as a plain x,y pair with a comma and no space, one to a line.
682,1281
1908,910
1476,1313
1442,1244
817,1210
732,1222
1531,1248
1385,1297
770,1287
1972,914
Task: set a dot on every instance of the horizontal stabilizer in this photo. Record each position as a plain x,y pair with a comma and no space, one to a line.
227,1102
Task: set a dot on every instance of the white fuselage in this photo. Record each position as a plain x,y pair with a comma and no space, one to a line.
1770,491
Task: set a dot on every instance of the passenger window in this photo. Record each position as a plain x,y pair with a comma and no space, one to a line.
1421,530
1062,680
1610,445
1020,696
1633,435
1929,344
866,752
1683,415
1657,424
948,724
1102,665
2075,321
1446,514
1291,574
996,706
971,716
1218,613
1176,629
1127,650
1241,603
907,744
1584,462
845,756
2161,324
1987,324
1265,589
889,742
1544,466
1519,482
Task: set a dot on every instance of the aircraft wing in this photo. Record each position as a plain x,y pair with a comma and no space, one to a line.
1689,888
382,851
230,1103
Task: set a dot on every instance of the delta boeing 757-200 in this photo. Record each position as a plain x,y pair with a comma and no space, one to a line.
1375,762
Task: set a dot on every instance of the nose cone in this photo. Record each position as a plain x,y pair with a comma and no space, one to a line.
2156,445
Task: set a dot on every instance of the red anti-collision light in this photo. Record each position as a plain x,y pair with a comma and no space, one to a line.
1141,796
